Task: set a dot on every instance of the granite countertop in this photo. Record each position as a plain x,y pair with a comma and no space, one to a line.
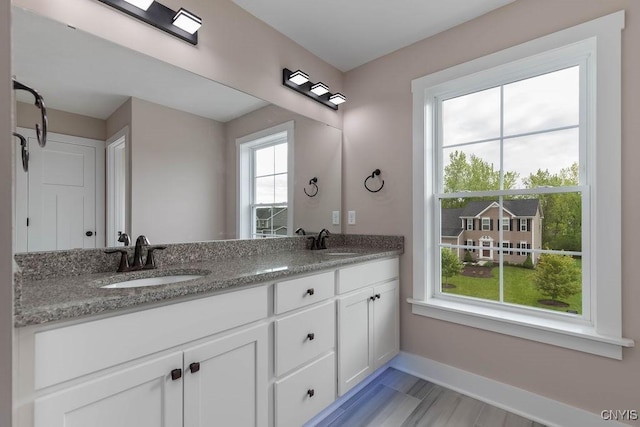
69,297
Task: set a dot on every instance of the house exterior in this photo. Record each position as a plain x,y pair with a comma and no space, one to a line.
478,225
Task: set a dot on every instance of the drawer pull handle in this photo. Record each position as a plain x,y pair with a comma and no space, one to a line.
372,298
176,374
194,367
311,392
310,291
378,296
311,336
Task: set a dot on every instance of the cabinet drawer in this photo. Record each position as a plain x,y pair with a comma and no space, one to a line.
303,394
72,351
304,291
358,276
303,336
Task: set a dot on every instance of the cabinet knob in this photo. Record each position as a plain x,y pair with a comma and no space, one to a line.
310,291
311,336
176,374
194,367
377,296
372,298
311,392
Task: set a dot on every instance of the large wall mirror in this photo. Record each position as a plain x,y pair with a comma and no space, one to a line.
139,146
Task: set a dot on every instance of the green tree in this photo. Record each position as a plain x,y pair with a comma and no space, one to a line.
472,174
451,265
557,276
562,223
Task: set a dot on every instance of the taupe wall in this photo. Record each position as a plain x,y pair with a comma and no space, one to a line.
378,133
27,115
177,175
234,48
317,152
6,156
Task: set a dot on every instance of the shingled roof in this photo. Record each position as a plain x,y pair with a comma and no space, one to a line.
451,224
518,207
450,217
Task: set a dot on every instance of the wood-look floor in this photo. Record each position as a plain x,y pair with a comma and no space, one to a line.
397,399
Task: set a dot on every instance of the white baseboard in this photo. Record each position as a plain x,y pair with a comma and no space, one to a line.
529,405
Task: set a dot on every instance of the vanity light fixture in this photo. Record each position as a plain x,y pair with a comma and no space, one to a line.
298,77
182,24
319,92
187,21
319,88
337,98
142,4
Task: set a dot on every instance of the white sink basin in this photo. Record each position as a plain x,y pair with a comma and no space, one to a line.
340,253
153,281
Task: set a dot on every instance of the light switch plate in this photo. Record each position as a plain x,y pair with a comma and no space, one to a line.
335,216
352,218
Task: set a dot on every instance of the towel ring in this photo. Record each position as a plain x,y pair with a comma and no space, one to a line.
313,181
25,151
373,175
41,132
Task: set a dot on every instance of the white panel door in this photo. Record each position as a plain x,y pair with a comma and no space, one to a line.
355,339
385,323
64,197
228,386
142,396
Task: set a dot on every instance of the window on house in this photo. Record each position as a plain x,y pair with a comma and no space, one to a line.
469,224
265,183
506,224
522,134
523,224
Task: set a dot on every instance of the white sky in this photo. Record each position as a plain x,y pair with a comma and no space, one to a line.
271,174
540,103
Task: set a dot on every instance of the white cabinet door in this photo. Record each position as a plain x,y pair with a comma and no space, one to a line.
385,323
355,339
225,381
141,396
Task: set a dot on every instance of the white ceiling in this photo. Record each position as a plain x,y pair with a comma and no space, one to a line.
83,74
349,33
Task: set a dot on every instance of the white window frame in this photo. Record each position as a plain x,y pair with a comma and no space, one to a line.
601,334
244,184
523,224
469,224
482,225
507,222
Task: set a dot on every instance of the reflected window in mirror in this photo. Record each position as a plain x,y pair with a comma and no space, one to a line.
265,175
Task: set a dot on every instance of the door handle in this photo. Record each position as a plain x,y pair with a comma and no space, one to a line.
89,233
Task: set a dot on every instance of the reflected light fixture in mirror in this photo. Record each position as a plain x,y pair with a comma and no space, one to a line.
182,24
319,92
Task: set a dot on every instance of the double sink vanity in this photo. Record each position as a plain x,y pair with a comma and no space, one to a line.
231,333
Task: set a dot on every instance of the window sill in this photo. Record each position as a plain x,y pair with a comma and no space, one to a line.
555,332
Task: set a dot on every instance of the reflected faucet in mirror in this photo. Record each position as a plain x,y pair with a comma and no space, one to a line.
124,238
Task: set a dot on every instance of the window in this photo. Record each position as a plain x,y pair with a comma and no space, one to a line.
506,224
486,224
539,145
523,224
265,183
469,224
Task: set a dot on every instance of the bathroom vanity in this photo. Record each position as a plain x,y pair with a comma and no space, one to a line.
266,339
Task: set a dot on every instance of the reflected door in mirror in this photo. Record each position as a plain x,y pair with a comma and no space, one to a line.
59,199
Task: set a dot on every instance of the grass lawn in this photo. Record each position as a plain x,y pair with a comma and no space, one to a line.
518,289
